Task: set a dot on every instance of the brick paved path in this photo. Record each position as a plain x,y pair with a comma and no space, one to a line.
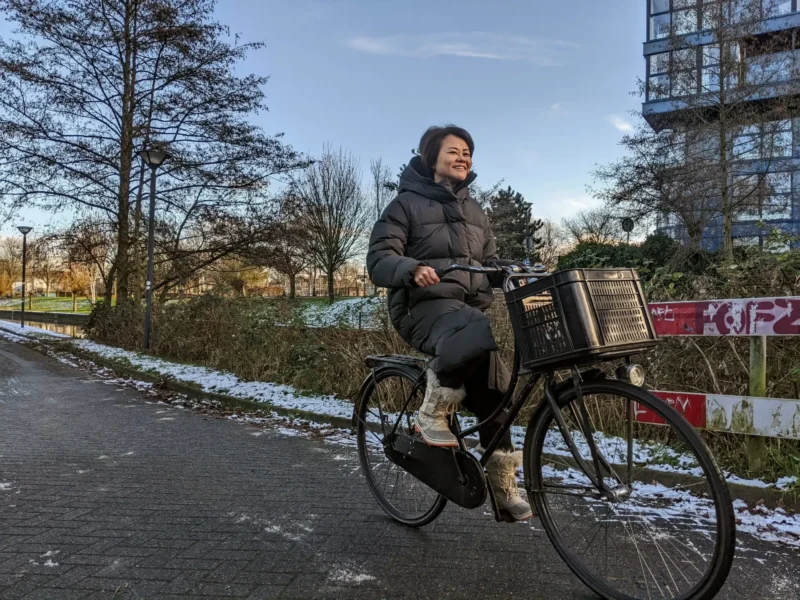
106,495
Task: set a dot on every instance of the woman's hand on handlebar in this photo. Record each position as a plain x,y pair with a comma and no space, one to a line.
425,276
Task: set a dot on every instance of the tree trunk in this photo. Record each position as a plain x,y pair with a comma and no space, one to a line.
126,157
727,233
330,285
108,297
292,278
74,302
138,263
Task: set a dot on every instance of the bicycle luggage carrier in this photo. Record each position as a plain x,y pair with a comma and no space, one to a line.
580,316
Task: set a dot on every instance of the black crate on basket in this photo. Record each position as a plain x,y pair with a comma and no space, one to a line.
580,316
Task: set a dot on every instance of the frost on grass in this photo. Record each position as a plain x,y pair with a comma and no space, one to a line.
212,381
355,313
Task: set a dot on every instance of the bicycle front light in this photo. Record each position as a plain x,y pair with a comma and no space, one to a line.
633,374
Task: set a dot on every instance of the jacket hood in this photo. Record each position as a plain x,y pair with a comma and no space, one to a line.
418,179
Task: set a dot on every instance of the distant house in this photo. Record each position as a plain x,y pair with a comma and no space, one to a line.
34,285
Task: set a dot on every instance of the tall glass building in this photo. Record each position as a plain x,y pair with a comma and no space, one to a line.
683,65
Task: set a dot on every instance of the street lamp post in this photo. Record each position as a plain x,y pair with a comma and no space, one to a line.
24,230
153,159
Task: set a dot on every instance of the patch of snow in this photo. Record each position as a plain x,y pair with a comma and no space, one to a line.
227,383
50,563
5,486
355,313
784,483
349,577
29,331
783,587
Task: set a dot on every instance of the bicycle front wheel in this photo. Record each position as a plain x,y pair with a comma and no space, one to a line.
664,526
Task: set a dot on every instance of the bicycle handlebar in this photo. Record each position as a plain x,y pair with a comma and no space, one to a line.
535,270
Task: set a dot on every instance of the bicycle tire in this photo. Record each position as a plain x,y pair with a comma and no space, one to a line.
534,461
399,514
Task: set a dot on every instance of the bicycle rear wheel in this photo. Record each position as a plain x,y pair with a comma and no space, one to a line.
400,494
656,533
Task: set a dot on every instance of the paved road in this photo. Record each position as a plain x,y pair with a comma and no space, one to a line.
106,494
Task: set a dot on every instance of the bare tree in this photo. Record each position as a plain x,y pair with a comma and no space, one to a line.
657,181
715,156
10,264
89,82
597,225
45,262
287,249
382,185
553,243
334,212
89,245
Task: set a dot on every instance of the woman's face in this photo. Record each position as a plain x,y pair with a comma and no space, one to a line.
454,161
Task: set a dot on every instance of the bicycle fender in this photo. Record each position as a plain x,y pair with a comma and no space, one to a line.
586,376
373,375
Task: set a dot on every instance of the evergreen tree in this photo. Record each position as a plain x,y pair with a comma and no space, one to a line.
513,227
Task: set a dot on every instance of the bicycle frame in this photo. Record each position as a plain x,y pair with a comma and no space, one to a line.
512,408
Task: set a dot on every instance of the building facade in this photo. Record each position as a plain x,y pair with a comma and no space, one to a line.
685,73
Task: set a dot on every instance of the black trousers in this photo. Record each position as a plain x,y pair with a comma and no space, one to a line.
483,395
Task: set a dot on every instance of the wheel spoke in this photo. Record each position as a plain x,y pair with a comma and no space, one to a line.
665,531
400,494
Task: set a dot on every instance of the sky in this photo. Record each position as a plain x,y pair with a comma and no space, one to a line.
544,87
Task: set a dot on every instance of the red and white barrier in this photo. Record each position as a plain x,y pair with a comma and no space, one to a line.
748,317
767,417
741,317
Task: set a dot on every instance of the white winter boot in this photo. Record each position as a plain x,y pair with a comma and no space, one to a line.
501,471
439,403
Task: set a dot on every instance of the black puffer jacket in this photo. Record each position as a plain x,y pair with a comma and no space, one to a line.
434,225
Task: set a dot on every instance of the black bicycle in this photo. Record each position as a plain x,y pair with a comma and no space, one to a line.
599,451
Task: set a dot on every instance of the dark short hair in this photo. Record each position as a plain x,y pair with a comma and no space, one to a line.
431,142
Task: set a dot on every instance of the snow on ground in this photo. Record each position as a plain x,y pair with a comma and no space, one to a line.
656,504
356,313
219,382
29,331
653,455
771,525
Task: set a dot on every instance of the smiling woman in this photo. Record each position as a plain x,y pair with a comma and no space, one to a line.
447,151
434,223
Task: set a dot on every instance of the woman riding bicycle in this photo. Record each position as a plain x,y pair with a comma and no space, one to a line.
433,223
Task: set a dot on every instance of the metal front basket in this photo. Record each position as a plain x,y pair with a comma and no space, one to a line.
580,316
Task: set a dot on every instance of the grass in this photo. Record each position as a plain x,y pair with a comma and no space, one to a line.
83,305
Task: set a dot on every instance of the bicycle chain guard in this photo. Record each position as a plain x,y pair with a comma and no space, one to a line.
451,472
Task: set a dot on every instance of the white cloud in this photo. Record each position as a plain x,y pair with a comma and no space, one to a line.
490,46
621,123
557,110
560,205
